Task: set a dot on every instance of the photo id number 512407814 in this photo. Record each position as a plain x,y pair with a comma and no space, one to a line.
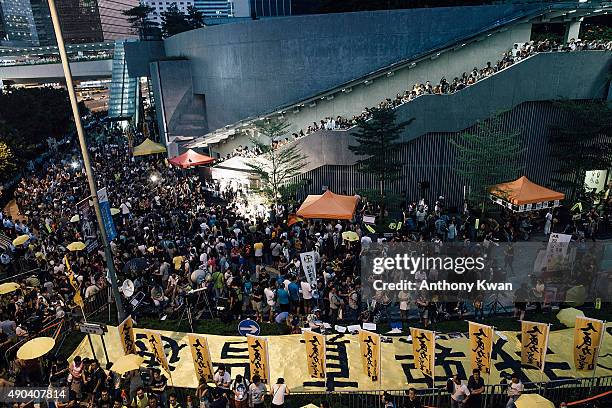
33,394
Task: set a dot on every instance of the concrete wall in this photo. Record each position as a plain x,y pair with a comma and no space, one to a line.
81,70
252,67
544,77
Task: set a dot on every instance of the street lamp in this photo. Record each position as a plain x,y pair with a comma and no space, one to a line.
83,144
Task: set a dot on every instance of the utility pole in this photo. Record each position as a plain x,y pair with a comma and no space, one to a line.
88,170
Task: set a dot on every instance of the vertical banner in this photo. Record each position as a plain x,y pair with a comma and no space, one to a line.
126,335
315,354
202,363
424,350
481,346
258,358
78,299
157,348
587,339
534,342
309,266
87,221
107,217
369,345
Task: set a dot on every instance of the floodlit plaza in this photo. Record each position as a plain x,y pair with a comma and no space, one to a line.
305,203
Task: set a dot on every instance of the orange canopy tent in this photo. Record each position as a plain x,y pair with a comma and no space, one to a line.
191,159
328,206
525,195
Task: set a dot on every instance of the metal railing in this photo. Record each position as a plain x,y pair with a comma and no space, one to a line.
494,395
97,303
57,328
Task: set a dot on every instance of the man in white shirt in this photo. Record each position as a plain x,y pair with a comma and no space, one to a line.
222,378
460,393
306,290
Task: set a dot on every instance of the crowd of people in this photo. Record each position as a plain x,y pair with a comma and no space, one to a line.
178,232
444,86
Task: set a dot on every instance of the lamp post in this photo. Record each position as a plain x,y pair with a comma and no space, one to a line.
83,144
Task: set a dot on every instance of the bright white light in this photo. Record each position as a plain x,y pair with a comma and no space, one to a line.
74,164
154,178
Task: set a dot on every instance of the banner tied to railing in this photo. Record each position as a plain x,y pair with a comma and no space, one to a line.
392,367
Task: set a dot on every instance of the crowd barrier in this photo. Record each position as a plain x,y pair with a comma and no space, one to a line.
575,392
57,328
568,391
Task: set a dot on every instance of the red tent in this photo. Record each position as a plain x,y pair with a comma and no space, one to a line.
191,159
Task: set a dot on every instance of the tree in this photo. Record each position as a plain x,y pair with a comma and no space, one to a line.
7,162
583,143
195,18
378,138
486,156
173,21
139,19
275,167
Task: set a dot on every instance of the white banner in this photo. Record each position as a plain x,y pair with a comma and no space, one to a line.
556,249
309,266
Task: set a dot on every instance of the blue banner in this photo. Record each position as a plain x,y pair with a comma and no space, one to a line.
107,218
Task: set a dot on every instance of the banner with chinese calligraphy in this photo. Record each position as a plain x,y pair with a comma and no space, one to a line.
346,373
126,335
78,299
587,339
369,345
157,348
202,363
258,358
310,267
534,342
315,354
481,346
424,350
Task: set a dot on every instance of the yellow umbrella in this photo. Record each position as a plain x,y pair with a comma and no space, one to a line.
127,363
75,218
568,316
310,406
76,246
20,240
115,211
575,296
533,401
350,236
35,348
8,287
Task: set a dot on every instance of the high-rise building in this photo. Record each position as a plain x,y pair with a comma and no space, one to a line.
114,24
80,21
42,19
214,8
270,8
159,6
18,27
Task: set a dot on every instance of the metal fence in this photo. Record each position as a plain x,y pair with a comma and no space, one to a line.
494,396
57,328
569,390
